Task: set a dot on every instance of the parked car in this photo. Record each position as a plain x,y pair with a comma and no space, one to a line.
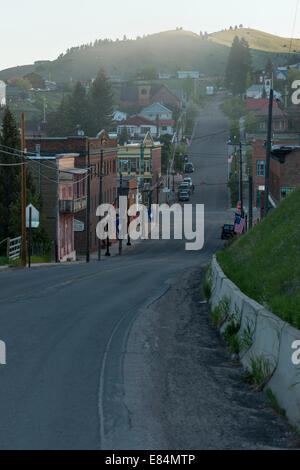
227,232
184,196
185,187
189,168
190,183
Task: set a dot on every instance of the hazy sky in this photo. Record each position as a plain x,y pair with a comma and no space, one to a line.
34,29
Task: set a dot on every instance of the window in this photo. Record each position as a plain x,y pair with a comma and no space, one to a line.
133,165
260,168
284,192
144,91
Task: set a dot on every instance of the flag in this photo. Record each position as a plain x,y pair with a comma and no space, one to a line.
239,224
188,141
230,159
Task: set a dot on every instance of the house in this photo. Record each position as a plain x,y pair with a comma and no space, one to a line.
2,94
281,73
257,91
144,95
37,82
164,76
119,116
259,104
183,74
63,191
137,127
280,120
85,146
142,161
156,111
284,171
162,117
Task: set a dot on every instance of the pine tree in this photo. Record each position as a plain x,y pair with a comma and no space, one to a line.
238,66
77,110
123,137
9,175
60,124
100,105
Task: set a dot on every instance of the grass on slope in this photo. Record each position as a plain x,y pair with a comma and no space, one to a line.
257,40
168,51
265,263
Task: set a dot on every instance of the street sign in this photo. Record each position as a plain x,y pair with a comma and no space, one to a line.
78,226
166,190
35,217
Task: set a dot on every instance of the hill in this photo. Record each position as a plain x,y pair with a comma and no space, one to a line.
257,40
265,263
166,52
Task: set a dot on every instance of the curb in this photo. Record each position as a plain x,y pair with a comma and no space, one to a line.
271,339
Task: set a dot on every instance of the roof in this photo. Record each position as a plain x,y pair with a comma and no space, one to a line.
156,108
137,121
259,104
276,112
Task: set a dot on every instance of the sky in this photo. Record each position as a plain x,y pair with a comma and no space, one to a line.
40,30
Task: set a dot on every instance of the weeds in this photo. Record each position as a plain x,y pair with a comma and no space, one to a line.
221,312
259,373
230,335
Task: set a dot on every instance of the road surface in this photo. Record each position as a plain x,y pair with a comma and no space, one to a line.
121,354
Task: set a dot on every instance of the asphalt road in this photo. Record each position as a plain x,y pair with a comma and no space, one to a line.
121,355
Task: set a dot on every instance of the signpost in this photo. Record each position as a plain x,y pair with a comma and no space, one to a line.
32,221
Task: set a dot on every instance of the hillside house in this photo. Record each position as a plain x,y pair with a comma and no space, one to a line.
144,95
284,172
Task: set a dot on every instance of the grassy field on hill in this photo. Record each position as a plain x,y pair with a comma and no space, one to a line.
257,40
165,52
265,263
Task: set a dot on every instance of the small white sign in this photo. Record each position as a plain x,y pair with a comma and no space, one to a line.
78,226
35,217
166,190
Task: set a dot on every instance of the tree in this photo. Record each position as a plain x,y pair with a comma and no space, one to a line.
251,123
60,123
100,105
238,66
123,137
9,175
77,109
23,84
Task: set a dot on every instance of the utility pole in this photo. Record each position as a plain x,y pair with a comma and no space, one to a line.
119,195
250,220
268,154
241,180
23,193
100,198
88,208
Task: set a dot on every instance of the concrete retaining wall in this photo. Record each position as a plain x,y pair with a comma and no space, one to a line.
266,336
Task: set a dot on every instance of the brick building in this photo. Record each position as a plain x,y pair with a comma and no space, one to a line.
284,171
81,145
258,165
63,191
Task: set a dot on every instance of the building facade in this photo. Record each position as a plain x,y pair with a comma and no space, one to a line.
103,145
143,162
284,171
62,187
